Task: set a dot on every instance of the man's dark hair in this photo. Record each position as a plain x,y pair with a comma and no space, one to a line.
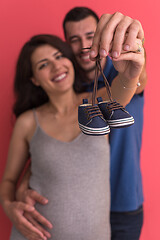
78,13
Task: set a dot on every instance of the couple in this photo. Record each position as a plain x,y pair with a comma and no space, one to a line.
64,162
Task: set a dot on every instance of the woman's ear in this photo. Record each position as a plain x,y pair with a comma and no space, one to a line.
34,81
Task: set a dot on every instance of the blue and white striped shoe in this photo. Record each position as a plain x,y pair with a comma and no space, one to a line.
91,120
115,114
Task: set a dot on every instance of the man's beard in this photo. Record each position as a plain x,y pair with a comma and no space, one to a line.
91,69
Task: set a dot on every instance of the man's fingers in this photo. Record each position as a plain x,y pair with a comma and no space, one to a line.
25,207
16,214
97,37
27,229
113,32
39,218
135,31
136,48
120,35
105,31
131,56
38,226
118,31
37,197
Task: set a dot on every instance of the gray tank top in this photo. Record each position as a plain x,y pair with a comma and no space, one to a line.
74,176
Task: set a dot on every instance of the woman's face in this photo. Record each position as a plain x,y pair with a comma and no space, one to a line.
51,70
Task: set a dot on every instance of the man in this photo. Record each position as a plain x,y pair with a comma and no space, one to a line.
79,27
115,35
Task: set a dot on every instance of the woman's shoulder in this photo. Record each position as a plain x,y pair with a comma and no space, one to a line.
25,122
26,117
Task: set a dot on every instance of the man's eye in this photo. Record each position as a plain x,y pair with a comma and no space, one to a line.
90,37
43,65
74,40
59,56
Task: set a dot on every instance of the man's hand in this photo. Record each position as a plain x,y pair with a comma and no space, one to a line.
130,63
31,197
15,211
114,33
121,37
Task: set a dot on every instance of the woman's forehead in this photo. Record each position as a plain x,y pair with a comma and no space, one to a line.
44,51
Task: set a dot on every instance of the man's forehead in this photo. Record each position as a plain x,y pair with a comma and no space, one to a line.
84,26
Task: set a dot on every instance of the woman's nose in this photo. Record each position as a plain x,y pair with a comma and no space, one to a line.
55,65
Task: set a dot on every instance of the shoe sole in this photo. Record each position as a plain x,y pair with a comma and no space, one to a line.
121,122
94,131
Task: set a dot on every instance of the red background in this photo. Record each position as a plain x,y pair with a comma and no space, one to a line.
20,19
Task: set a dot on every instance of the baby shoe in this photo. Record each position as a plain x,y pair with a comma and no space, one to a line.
115,114
91,120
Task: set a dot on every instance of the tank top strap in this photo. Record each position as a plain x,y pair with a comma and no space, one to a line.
35,116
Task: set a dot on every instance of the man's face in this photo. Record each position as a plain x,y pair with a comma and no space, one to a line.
80,35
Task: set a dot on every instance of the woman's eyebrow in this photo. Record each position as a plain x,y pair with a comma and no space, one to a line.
42,60
45,59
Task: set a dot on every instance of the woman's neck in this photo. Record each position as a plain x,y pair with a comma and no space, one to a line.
64,103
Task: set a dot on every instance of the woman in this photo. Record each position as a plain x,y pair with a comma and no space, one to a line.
68,167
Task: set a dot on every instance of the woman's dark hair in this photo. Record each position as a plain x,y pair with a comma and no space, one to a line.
78,13
28,95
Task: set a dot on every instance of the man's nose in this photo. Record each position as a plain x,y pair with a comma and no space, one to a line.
85,45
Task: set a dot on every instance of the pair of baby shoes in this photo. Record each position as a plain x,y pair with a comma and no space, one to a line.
97,119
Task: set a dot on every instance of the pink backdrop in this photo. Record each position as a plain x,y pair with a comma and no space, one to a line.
20,19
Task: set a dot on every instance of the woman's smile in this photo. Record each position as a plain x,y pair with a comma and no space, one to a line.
60,77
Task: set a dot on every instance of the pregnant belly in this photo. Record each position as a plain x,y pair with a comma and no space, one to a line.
77,220
77,216
77,208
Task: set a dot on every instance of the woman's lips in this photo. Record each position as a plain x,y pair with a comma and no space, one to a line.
59,77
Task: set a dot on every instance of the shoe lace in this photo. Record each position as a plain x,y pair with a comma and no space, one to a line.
113,105
105,79
99,68
93,111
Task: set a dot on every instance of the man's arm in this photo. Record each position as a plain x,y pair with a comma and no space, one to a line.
142,77
24,184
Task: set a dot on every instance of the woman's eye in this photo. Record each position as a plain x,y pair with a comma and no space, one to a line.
43,65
